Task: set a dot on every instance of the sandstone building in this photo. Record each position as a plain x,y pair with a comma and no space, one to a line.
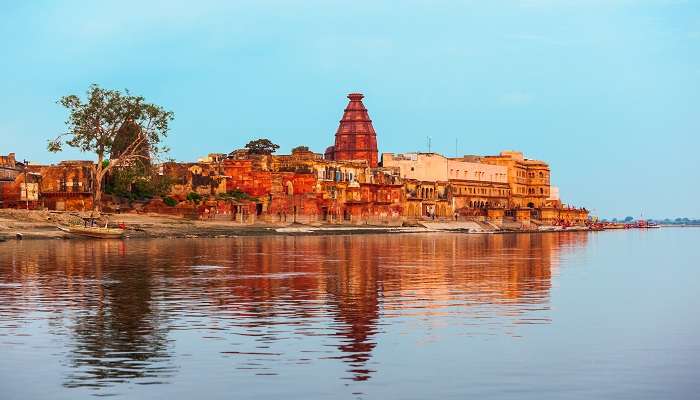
63,186
348,184
10,169
528,179
355,138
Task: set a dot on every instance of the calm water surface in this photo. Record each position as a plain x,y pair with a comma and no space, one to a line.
415,316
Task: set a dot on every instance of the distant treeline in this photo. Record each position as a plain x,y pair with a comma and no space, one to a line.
678,221
666,221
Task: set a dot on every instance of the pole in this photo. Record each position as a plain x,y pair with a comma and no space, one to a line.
26,184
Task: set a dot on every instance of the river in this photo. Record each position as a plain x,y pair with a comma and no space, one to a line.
575,315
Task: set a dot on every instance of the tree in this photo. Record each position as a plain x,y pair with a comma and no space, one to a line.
261,146
629,219
137,181
94,126
300,148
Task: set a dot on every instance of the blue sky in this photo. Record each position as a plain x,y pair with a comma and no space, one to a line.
606,91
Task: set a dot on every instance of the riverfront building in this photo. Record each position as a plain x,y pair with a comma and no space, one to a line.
348,183
355,138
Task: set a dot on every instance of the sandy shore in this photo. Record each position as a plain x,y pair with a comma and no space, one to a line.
23,224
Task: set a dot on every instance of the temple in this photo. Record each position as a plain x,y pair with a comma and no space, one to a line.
355,138
348,184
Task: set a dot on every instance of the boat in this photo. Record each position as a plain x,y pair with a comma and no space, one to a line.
93,231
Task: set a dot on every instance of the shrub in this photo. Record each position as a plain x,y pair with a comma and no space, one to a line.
237,194
194,196
169,201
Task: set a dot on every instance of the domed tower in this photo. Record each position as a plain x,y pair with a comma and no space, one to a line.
355,138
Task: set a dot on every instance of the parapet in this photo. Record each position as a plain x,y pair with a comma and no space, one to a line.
8,160
516,155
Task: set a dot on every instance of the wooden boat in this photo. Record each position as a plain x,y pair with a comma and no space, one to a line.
94,231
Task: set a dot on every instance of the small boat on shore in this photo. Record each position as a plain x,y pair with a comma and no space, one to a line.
93,231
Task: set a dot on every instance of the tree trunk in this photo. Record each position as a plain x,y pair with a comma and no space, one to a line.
98,174
97,196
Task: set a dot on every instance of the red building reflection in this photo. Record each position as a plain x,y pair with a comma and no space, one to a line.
127,297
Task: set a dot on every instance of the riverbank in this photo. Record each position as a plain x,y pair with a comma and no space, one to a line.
23,224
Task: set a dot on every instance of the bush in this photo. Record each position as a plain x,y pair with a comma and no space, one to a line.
169,201
237,194
194,196
137,182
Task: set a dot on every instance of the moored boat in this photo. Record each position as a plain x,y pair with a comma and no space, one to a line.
94,232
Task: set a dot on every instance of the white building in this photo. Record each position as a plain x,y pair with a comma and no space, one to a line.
434,167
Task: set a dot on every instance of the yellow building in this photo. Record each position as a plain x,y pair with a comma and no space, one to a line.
528,179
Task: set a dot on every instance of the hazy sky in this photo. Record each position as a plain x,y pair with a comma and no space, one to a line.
606,91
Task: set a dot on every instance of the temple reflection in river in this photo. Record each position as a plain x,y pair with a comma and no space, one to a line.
261,302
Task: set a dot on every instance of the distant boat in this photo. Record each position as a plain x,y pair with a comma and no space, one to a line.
94,232
646,225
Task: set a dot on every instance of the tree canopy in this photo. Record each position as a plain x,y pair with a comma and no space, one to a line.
261,146
119,128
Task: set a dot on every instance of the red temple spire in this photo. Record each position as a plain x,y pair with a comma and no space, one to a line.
355,138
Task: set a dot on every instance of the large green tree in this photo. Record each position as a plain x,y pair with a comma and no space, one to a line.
97,124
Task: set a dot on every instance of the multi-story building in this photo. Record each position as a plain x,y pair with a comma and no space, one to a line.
9,171
63,186
464,182
66,185
528,179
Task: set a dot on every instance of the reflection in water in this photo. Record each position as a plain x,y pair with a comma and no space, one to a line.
119,334
267,304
